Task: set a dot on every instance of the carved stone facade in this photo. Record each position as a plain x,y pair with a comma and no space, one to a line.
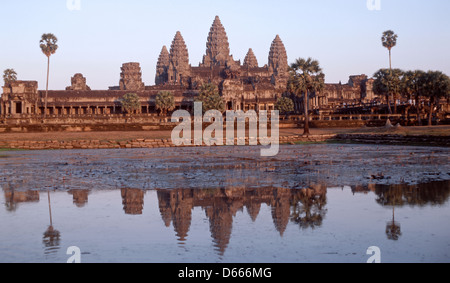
131,77
20,97
78,83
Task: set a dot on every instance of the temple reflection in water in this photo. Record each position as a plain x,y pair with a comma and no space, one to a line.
305,207
221,206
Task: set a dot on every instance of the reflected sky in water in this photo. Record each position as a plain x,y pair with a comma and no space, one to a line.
226,204
316,224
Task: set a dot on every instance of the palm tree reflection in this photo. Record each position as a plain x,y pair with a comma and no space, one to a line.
51,237
393,229
309,207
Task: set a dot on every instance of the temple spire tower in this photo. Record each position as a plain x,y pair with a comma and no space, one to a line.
217,47
278,61
162,67
250,60
179,69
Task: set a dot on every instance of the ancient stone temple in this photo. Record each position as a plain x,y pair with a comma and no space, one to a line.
78,83
246,86
243,87
131,77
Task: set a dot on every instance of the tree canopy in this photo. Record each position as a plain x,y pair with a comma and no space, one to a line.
131,103
284,105
305,79
9,76
210,97
48,44
165,101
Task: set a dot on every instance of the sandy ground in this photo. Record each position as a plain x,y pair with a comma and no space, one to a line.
118,136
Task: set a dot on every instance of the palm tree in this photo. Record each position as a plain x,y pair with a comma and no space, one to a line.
411,87
165,101
306,78
131,102
389,40
395,77
436,86
210,97
48,46
387,82
9,76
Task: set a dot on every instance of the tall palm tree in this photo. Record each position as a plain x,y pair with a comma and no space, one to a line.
389,40
306,77
48,46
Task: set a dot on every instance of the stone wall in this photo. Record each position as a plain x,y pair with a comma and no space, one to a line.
136,143
442,141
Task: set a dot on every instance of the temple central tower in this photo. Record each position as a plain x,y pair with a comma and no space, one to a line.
217,47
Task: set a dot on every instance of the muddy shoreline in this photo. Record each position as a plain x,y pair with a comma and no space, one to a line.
296,166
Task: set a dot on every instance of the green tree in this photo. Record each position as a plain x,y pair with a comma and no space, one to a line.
9,76
411,87
284,105
165,101
210,97
395,85
389,40
305,78
48,45
387,83
436,85
131,103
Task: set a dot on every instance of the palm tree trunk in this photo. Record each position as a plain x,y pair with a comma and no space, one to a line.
50,208
419,120
305,102
387,97
395,103
388,102
430,116
46,88
390,60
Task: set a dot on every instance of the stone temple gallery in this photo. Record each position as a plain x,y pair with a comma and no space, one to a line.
243,86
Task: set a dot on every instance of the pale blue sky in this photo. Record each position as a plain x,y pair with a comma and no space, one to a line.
344,35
